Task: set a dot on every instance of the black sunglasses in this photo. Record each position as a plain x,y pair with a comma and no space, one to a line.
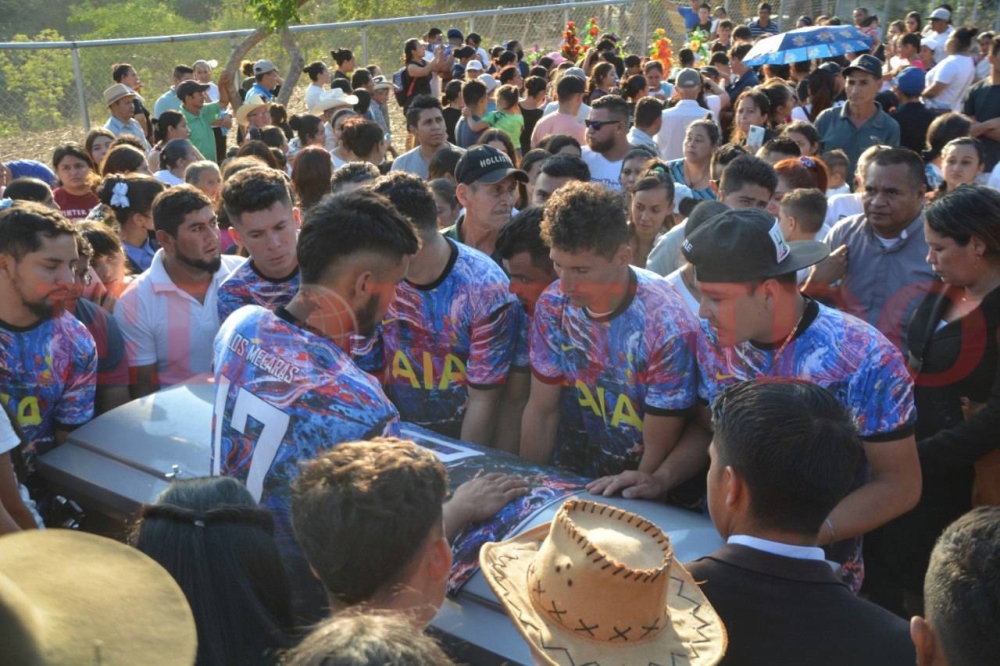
596,125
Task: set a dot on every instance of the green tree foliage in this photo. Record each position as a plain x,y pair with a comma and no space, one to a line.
39,79
132,18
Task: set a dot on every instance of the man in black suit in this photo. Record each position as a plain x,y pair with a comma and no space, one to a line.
783,454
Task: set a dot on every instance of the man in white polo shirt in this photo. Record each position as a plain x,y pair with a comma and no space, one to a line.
169,314
670,138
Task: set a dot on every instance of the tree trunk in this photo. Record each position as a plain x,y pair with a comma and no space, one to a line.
296,63
229,80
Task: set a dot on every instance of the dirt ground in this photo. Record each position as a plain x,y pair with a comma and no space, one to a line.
39,145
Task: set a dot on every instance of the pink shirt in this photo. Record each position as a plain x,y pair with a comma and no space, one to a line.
559,123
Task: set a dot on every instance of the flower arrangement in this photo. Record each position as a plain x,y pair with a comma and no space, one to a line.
533,57
571,46
590,34
661,49
698,41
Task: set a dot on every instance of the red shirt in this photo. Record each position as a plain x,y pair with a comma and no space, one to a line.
74,207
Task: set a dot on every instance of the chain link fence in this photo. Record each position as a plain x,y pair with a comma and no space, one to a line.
53,91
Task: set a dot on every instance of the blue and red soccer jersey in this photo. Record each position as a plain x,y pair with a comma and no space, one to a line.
437,340
246,286
637,360
844,355
48,378
285,395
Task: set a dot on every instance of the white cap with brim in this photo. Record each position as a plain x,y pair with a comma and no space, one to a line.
331,99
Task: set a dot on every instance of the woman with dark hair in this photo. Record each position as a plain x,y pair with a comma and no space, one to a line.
363,140
954,358
417,72
782,100
601,82
309,129
109,260
338,154
820,84
345,64
530,162
694,170
174,160
27,188
169,126
943,130
949,80
561,144
97,143
311,174
124,158
77,178
259,150
319,76
130,200
752,108
451,107
804,135
962,163
651,213
501,141
219,546
532,107
913,22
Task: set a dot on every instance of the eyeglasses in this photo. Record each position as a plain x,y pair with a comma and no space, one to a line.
596,125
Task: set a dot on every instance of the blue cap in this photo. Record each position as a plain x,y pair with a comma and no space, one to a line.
910,81
455,33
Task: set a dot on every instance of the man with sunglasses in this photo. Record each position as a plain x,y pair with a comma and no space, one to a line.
607,140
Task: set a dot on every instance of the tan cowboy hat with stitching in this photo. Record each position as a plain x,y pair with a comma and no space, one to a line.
251,104
599,585
67,597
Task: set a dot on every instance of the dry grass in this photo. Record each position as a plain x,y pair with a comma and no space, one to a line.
39,145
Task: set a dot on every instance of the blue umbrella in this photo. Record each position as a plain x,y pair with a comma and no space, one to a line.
822,41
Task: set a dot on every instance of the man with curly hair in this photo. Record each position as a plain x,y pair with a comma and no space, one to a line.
619,336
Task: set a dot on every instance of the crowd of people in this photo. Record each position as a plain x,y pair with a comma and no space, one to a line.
766,293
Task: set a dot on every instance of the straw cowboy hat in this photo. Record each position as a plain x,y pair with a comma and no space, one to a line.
68,597
599,585
331,99
251,104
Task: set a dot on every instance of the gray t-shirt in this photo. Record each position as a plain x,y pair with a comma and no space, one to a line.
413,162
665,257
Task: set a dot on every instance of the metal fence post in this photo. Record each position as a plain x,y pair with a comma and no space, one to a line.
80,91
472,24
364,44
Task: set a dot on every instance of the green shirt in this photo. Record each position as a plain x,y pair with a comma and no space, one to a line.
837,130
202,135
512,124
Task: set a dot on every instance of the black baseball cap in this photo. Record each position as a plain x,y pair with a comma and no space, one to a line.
865,63
188,88
486,164
464,52
743,245
831,67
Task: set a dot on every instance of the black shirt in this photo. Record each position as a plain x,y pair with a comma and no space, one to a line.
531,117
983,103
914,118
451,118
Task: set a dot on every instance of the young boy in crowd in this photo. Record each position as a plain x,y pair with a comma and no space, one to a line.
648,121
836,166
474,96
507,117
801,214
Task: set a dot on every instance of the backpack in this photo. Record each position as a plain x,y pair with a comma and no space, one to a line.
402,84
